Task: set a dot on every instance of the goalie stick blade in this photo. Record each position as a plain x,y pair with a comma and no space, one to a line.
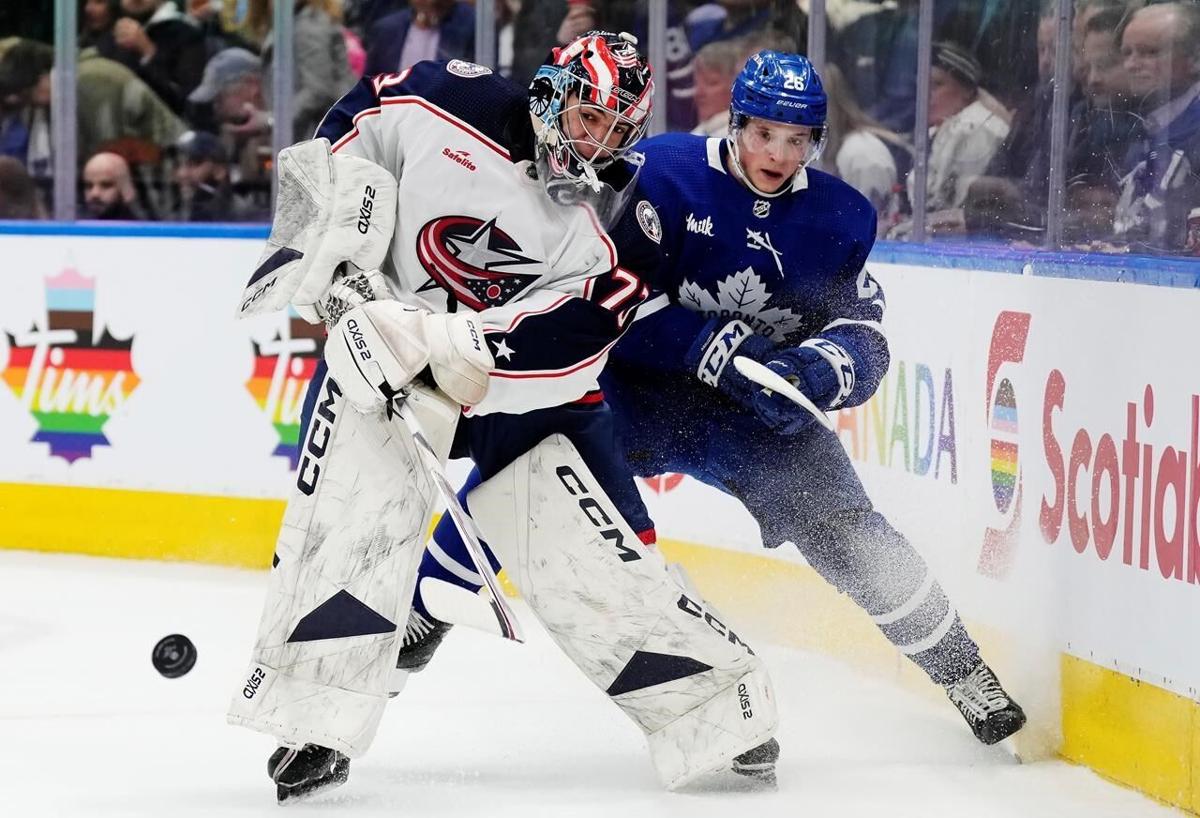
456,605
761,375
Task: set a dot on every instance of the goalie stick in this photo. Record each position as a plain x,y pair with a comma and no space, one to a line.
510,627
352,287
761,375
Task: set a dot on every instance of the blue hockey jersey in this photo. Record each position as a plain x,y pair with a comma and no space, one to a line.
791,267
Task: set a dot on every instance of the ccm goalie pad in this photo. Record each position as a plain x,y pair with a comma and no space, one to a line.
324,661
664,657
331,209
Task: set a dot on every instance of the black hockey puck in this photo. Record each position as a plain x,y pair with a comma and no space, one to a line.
174,655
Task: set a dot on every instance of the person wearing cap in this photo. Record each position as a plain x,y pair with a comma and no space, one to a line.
233,86
202,173
232,89
964,132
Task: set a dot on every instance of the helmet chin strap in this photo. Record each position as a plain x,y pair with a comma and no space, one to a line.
744,177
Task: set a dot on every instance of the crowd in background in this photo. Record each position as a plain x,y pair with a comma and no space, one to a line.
174,103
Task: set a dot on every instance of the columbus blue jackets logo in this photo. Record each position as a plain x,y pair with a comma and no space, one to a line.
474,261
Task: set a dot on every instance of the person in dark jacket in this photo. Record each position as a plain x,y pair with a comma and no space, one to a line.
426,30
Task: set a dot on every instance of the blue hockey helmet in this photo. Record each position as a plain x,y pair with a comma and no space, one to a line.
779,87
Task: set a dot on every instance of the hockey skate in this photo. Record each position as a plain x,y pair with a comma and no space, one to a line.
305,772
759,762
422,635
991,713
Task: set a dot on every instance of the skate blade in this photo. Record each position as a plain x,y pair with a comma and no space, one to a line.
293,795
287,796
728,780
1007,749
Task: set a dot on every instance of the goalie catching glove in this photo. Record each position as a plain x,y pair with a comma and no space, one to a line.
378,348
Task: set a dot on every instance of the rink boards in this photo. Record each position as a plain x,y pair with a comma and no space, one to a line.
1036,438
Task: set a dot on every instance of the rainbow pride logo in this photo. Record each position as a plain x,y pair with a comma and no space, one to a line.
282,369
69,379
1004,445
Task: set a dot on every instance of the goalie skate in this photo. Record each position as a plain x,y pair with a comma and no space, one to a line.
305,772
759,762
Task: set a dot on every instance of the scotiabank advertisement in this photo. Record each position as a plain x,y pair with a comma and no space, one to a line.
1036,438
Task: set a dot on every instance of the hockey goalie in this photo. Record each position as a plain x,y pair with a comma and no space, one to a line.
476,249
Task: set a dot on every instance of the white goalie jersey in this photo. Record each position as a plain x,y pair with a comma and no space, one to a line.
476,230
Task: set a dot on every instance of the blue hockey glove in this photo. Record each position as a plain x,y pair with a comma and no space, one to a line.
825,376
712,355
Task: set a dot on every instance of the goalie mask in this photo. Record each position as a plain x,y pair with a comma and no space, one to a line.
591,103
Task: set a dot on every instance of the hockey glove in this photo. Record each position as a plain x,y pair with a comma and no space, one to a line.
376,349
820,369
712,354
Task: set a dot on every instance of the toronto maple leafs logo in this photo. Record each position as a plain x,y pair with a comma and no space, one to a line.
744,296
474,260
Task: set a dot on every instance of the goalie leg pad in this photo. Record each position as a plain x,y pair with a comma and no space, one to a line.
665,658
345,566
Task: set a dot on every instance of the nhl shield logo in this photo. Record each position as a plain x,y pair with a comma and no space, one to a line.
647,218
473,260
462,68
762,208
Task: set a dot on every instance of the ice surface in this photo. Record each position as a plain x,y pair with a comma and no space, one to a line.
492,729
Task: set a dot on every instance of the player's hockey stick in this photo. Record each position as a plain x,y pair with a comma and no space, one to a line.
761,375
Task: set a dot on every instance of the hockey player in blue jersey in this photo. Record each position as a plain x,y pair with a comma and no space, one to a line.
467,241
766,260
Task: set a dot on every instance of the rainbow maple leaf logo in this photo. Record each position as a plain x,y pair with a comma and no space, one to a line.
283,368
69,379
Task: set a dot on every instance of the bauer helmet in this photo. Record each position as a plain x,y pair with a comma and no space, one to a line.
778,87
599,70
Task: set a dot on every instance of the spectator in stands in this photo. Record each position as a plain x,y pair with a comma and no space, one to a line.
113,104
163,46
426,30
856,146
321,71
1103,123
1161,49
713,71
218,36
25,104
965,132
360,15
19,198
108,191
96,21
233,89
731,19
202,174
